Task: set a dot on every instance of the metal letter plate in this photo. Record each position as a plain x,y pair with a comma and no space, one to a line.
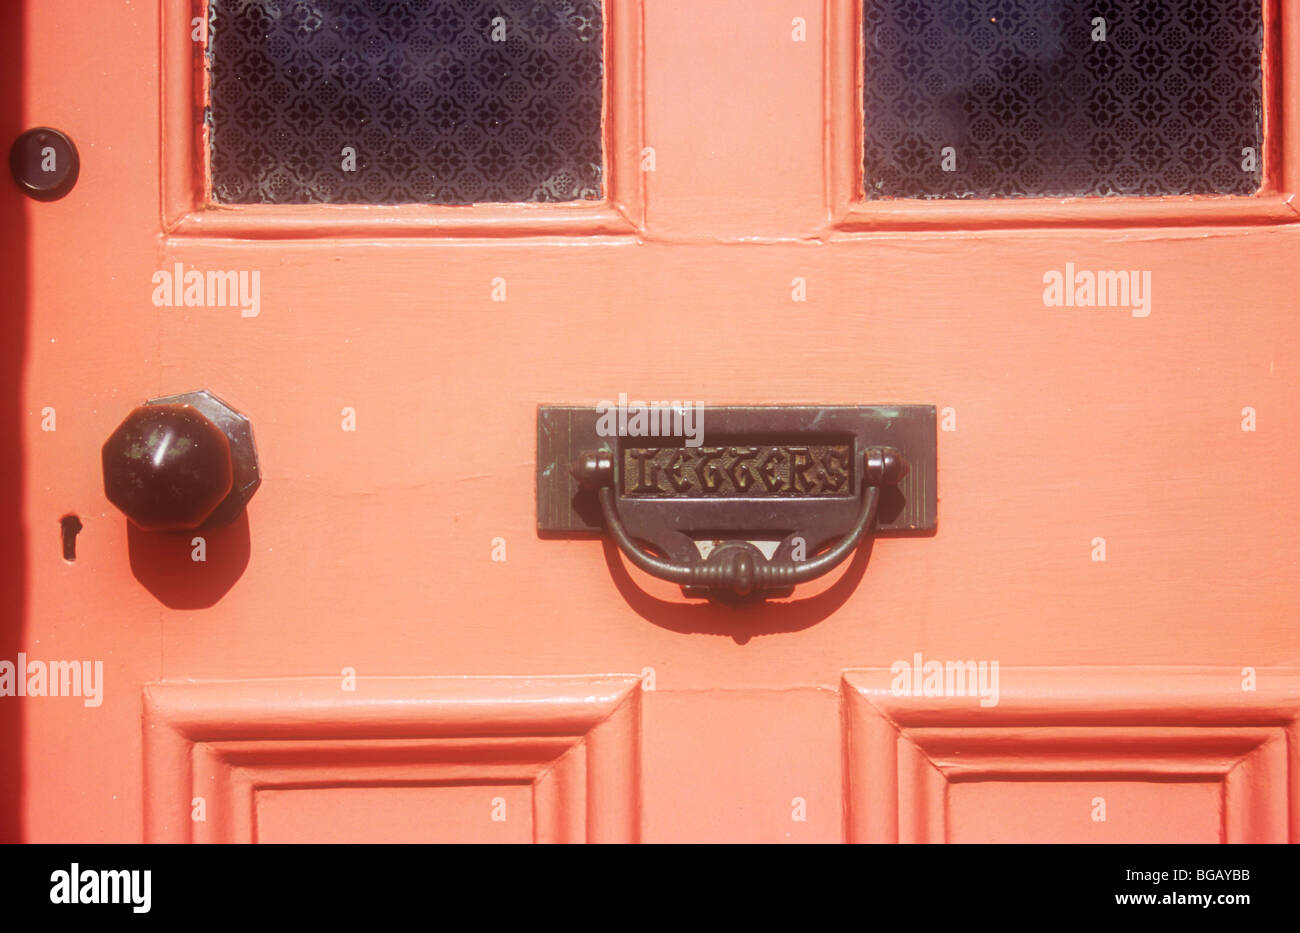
761,471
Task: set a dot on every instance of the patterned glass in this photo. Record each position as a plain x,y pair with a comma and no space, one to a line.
1047,98
420,101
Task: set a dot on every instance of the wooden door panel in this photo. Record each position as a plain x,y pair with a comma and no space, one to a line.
1076,754
1062,811
439,814
564,751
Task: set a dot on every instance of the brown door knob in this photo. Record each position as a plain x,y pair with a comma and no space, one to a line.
181,463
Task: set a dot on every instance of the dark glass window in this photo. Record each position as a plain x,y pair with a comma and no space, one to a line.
421,101
1047,98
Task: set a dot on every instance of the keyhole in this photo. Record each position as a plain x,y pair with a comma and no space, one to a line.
69,525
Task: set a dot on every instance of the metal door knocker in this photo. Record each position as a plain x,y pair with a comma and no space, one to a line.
766,498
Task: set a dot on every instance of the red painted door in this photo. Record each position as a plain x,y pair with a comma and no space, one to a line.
382,647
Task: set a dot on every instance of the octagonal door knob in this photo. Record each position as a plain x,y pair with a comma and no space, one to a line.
181,463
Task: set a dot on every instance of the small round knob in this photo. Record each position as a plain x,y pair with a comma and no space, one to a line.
593,469
44,163
180,463
885,466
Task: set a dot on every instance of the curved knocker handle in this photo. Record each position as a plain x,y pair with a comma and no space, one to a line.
739,569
